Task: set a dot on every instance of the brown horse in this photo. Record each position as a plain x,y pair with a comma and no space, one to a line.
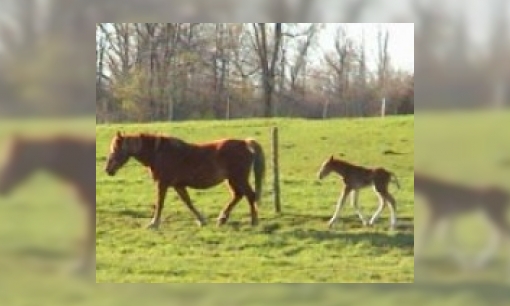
181,165
67,157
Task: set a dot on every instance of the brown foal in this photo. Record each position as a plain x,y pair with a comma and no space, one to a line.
356,178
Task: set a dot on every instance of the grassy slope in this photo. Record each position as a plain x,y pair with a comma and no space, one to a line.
293,247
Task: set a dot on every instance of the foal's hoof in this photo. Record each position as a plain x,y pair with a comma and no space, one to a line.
82,268
152,226
221,221
201,223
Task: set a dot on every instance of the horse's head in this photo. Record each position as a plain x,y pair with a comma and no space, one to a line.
121,149
20,162
325,168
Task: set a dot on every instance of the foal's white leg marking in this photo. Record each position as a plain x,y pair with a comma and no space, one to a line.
354,199
378,211
494,242
340,203
154,224
393,222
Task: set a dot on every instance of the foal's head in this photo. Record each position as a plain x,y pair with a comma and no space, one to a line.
326,168
121,149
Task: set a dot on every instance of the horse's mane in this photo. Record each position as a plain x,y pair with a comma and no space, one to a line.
151,139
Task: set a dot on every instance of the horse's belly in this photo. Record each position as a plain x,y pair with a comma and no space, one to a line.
205,179
204,184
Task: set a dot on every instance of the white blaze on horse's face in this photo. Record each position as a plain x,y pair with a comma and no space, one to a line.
324,170
117,157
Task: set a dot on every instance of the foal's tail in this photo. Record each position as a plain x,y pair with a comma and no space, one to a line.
395,179
259,166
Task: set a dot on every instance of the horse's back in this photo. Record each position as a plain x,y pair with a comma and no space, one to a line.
231,154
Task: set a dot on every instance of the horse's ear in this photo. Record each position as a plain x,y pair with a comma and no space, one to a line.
119,134
331,158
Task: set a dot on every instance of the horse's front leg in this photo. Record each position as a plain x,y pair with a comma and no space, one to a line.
184,195
161,195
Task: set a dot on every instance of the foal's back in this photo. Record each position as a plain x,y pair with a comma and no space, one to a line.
358,176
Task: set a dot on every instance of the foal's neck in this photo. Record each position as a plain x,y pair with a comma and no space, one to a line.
339,167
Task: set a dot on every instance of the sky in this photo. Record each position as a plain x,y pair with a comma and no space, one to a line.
400,45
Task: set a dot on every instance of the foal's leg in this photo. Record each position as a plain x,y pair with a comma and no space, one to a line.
496,220
425,234
184,195
339,205
379,210
354,199
393,209
156,218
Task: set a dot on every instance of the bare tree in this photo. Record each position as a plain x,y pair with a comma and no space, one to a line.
303,46
267,59
341,63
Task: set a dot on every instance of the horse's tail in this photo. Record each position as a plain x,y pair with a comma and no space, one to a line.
259,166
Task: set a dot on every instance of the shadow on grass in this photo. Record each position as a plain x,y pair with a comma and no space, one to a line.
136,214
45,254
349,221
375,239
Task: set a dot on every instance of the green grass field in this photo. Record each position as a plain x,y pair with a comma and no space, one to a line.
40,222
295,246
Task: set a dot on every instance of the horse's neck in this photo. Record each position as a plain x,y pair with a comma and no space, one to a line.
145,159
146,155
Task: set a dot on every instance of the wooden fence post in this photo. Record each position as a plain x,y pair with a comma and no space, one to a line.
383,107
276,173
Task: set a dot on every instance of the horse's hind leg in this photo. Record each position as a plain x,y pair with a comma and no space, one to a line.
239,190
184,195
250,195
225,212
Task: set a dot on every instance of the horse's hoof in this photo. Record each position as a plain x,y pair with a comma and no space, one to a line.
201,223
254,223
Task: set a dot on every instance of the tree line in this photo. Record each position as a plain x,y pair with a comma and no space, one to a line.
180,71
